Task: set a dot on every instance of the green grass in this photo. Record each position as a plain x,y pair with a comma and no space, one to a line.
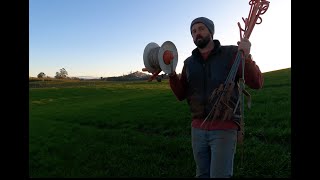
140,129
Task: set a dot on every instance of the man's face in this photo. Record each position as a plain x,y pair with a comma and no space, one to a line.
201,35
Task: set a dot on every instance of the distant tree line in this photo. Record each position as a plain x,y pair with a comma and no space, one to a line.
62,74
132,76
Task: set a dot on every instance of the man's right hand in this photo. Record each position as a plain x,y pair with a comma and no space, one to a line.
172,74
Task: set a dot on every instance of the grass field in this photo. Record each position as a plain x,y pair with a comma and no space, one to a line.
140,129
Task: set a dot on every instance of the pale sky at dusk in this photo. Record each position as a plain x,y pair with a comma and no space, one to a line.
104,38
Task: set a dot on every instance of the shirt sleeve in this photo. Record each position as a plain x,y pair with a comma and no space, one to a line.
252,75
179,85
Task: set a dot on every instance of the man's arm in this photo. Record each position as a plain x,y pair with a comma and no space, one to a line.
252,74
179,86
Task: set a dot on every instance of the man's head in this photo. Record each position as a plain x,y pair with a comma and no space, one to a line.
202,30
207,22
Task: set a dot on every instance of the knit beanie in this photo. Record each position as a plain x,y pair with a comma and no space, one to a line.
207,22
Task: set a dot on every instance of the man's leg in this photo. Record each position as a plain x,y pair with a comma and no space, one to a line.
223,148
201,152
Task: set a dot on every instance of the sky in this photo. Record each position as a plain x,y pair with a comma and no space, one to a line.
104,38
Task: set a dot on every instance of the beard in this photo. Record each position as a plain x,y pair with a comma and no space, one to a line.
202,42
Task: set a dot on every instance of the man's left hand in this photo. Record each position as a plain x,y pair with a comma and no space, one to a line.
244,45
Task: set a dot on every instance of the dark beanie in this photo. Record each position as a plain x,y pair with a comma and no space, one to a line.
207,22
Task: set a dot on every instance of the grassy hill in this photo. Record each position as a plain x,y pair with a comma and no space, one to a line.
140,129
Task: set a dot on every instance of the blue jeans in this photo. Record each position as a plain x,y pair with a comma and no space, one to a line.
214,152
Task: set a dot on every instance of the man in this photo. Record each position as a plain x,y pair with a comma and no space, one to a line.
213,140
